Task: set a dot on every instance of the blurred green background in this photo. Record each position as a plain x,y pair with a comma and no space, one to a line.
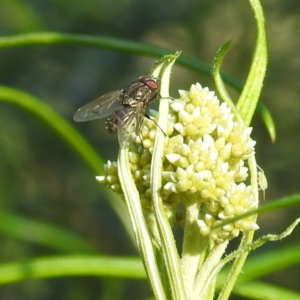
43,179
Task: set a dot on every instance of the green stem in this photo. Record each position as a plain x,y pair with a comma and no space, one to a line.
247,239
206,278
236,268
246,107
165,232
140,229
194,245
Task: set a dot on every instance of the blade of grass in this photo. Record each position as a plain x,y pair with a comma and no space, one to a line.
274,205
130,47
78,265
69,134
260,291
55,121
42,233
259,265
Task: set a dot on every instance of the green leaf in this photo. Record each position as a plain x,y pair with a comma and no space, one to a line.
267,207
125,46
42,233
55,121
79,265
68,133
260,291
250,95
263,264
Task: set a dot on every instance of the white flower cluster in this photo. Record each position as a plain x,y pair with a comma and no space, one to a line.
203,160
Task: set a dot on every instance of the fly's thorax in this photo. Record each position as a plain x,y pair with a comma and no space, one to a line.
139,95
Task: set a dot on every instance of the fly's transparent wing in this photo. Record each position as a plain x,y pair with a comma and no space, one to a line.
129,124
100,107
126,124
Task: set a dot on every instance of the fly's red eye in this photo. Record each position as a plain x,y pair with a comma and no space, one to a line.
149,82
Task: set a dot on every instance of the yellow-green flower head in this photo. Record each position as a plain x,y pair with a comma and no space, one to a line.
203,161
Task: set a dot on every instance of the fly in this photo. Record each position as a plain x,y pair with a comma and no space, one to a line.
124,108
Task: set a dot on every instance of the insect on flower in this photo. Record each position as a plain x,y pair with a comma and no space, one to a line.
124,108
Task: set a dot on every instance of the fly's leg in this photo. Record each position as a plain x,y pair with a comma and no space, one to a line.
149,118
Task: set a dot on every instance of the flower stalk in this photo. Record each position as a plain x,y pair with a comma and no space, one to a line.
192,169
168,246
140,228
198,166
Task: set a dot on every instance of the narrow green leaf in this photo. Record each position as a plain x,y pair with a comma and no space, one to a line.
169,249
264,291
267,207
259,265
139,225
250,95
130,47
260,291
42,233
83,265
219,81
67,132
268,120
55,121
